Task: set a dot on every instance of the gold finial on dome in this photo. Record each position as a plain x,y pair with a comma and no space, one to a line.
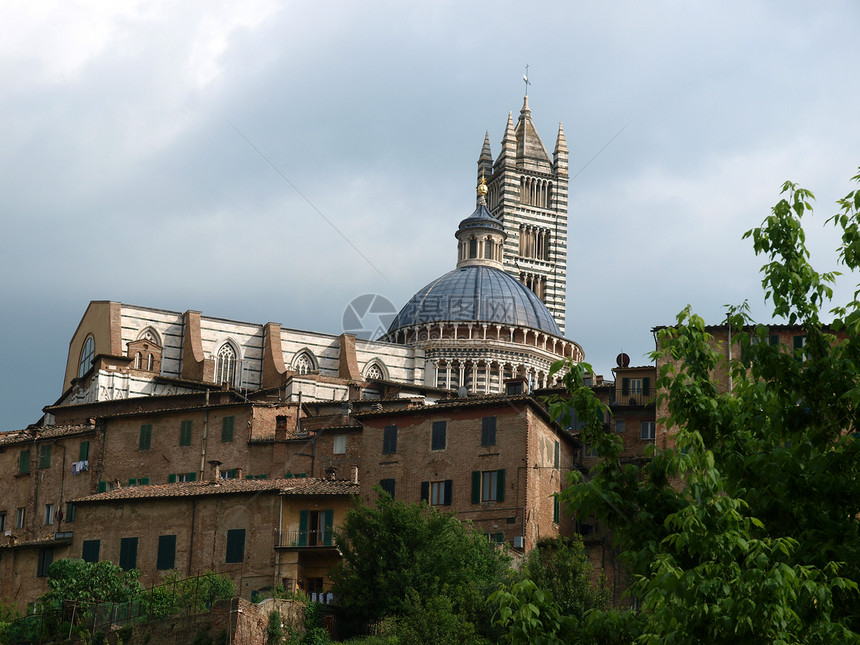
482,187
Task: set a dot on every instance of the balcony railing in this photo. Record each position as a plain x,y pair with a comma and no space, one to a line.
310,538
631,397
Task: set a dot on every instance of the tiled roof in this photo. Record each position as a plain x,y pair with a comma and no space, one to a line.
38,542
472,401
309,486
48,432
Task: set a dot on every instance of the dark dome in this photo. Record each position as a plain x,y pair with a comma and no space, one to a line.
476,294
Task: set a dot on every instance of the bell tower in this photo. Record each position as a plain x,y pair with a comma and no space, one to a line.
527,193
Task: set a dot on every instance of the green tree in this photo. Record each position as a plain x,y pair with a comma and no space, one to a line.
393,552
747,529
89,582
560,566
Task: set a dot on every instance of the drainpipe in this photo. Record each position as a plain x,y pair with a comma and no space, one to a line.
205,435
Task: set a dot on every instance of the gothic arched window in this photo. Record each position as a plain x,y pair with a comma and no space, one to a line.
87,354
149,362
225,364
473,248
303,364
137,360
374,372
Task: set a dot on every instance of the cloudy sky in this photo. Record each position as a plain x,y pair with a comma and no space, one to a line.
134,139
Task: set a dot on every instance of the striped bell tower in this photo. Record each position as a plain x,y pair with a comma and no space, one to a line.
527,192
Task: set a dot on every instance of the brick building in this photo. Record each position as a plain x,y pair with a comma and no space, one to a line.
180,436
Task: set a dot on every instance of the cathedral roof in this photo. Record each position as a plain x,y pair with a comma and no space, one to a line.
481,218
476,294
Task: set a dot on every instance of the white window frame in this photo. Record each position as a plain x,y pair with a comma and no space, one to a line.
339,444
647,431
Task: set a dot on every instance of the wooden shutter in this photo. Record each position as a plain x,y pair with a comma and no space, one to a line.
449,485
556,455
102,487
303,528
646,386
166,552
227,429
171,479
45,456
500,488
425,492
90,550
192,476
235,545
625,386
185,433
24,462
84,452
476,486
128,553
145,436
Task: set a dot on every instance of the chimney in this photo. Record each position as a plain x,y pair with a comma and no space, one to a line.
331,473
216,470
239,473
353,470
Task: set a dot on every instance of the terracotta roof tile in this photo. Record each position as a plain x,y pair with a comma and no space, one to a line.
304,486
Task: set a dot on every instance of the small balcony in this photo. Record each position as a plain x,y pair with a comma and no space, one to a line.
632,398
307,539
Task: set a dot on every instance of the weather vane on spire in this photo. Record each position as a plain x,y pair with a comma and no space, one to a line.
526,79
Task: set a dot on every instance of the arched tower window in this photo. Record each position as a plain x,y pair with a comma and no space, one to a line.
473,248
374,373
303,363
225,364
149,362
138,358
88,352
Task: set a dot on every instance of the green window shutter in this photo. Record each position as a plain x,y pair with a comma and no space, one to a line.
166,552
773,340
227,429
45,456
425,492
500,489
71,511
24,462
303,528
102,487
128,553
288,475
476,486
625,386
449,486
143,481
132,482
84,452
192,476
646,386
235,545
488,431
555,509
145,437
557,454
185,433
90,550
328,525
171,478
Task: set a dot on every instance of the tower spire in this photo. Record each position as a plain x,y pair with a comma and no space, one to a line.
485,161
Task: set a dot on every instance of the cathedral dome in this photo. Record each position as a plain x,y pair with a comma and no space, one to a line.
476,293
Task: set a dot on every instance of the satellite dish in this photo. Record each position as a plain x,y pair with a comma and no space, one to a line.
462,392
622,360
